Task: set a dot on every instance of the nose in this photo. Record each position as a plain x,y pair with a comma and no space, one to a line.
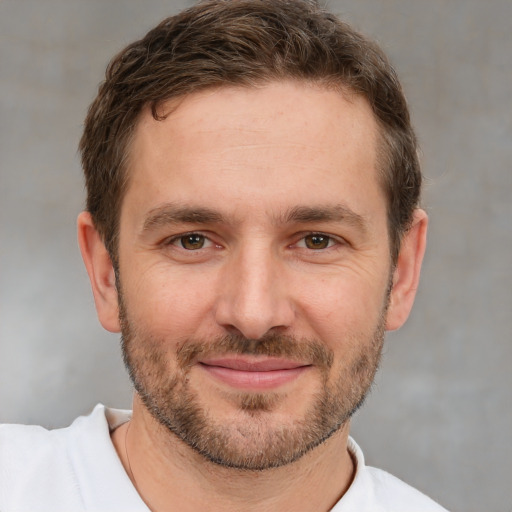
253,294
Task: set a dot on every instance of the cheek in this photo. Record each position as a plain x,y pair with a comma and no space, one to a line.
342,308
168,302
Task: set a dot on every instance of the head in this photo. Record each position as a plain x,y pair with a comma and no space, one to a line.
252,226
244,43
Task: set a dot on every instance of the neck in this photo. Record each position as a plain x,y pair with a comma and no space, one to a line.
165,470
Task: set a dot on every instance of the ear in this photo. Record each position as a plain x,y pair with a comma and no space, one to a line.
101,272
407,272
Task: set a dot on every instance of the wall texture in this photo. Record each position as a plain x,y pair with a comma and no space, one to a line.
440,415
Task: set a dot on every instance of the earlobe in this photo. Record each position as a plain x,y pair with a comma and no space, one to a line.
101,272
407,271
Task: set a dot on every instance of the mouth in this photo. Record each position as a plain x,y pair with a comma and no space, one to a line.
256,374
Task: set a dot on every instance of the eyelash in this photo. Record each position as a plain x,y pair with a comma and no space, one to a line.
332,241
174,240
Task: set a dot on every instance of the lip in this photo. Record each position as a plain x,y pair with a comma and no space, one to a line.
255,374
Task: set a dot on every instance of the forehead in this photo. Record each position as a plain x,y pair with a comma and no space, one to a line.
277,142
310,107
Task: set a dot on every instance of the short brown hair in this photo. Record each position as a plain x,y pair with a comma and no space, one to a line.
244,42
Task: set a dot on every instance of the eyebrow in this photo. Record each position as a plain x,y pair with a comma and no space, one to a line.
176,214
335,213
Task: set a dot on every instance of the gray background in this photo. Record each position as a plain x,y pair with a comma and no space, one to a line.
440,415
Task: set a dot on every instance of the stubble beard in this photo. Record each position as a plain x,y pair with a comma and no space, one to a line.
252,443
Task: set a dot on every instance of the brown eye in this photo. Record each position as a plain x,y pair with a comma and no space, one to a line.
317,241
192,242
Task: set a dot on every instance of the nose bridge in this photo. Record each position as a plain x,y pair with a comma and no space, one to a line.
253,299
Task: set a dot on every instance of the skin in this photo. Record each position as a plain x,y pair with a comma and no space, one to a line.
252,156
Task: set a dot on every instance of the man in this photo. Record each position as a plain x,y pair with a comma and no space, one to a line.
252,230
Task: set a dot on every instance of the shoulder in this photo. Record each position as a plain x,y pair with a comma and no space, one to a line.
43,469
397,495
34,463
375,490
33,445
23,448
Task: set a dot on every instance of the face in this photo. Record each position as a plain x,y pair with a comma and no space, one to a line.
254,268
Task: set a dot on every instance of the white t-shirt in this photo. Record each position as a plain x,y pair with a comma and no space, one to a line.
77,469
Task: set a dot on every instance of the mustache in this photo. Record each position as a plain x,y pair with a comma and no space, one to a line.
308,351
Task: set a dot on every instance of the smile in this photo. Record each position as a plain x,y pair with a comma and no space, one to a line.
253,374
